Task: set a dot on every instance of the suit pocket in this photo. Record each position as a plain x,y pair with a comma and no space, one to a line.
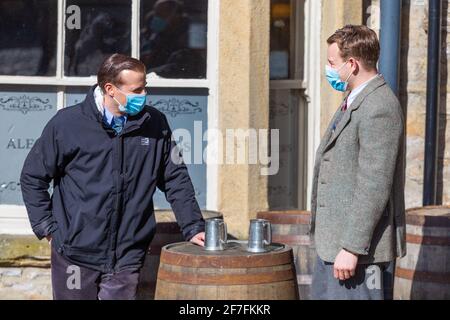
346,202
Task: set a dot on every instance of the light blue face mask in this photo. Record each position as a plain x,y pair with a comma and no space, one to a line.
334,78
135,103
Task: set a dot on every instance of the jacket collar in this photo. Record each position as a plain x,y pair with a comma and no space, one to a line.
374,84
91,110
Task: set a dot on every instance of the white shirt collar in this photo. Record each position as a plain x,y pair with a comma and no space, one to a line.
98,97
352,96
109,116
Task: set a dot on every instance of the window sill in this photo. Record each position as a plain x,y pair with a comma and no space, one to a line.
89,81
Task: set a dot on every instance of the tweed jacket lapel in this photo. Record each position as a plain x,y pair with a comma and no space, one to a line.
373,85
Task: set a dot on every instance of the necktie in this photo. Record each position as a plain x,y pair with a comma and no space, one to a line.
344,108
345,105
117,124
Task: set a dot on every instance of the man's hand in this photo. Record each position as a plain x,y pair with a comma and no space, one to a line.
199,239
49,239
345,265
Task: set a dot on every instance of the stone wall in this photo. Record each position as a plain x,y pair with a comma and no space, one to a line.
25,284
24,268
413,98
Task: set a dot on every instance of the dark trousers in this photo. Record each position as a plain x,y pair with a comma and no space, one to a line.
72,282
371,282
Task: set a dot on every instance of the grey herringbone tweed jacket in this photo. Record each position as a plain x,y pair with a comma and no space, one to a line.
357,200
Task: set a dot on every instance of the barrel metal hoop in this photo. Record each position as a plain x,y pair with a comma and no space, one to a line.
428,240
423,276
296,240
251,261
286,217
225,279
427,220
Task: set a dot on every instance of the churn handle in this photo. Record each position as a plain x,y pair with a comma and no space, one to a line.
268,227
225,232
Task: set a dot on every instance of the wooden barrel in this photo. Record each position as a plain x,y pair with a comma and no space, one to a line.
292,228
425,271
189,272
167,232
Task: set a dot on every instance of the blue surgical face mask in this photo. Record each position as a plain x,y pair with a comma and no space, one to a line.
158,24
135,103
334,78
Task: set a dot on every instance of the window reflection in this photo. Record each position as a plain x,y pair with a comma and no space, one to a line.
280,39
284,116
174,37
105,29
28,37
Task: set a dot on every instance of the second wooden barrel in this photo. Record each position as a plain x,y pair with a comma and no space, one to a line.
188,272
425,271
292,228
167,232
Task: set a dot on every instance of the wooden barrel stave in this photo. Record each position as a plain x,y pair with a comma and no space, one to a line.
425,271
273,291
235,275
292,228
167,232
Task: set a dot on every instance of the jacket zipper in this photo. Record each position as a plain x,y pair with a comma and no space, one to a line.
117,210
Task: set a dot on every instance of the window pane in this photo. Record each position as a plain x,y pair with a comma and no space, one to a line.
187,112
105,29
75,95
174,38
24,111
28,37
284,116
280,39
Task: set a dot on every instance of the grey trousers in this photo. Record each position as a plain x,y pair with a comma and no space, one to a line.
72,282
371,282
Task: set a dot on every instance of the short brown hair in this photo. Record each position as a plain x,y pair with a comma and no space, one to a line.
111,68
359,42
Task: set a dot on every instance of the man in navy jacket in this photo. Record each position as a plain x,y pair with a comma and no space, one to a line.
106,156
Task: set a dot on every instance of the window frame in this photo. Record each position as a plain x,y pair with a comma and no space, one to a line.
61,80
14,218
297,81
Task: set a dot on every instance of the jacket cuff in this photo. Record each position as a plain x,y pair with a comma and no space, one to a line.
355,249
189,233
44,229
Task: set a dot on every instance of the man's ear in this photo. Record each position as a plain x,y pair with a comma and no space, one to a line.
109,89
354,65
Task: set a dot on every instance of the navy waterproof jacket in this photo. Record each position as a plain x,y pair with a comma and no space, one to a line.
100,214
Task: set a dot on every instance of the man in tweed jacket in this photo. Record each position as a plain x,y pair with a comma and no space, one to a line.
358,216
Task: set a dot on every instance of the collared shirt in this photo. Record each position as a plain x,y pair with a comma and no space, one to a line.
349,100
352,96
108,117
